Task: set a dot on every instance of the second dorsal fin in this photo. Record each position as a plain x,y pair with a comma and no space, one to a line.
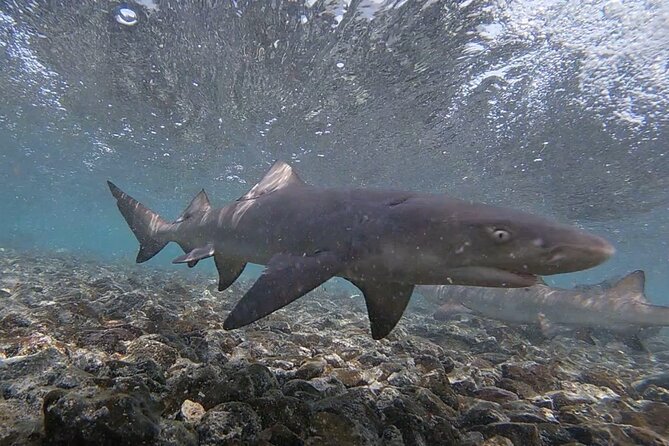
198,204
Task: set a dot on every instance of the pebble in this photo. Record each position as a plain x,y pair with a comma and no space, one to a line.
191,412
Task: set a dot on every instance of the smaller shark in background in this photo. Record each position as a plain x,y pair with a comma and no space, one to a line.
618,306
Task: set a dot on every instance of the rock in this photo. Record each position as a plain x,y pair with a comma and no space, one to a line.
293,413
350,377
538,376
27,365
554,434
426,363
524,412
437,381
602,377
350,418
371,359
229,424
147,371
251,382
417,424
204,384
392,436
147,347
111,340
303,390
519,433
649,414
495,394
279,434
328,386
654,393
12,321
98,416
464,387
176,433
18,427
448,364
497,440
311,369
432,403
472,438
191,412
563,398
334,360
657,379
521,389
402,378
494,358
210,386
609,433
482,413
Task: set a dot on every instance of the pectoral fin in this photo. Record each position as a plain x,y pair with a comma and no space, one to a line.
195,255
229,270
286,278
386,302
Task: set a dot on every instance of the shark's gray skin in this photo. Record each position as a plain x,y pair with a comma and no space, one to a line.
615,306
384,242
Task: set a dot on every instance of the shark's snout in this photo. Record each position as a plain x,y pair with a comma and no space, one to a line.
585,251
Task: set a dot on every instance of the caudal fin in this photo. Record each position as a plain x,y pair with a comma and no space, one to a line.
144,223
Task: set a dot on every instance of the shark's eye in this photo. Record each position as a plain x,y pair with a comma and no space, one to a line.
501,235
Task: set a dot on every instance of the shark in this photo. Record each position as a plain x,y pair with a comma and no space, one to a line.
618,306
383,241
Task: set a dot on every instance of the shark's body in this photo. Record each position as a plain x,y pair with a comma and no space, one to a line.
384,242
615,306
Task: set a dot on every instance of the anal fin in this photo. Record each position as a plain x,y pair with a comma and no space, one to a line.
229,270
449,309
548,329
386,302
635,343
195,255
585,335
286,278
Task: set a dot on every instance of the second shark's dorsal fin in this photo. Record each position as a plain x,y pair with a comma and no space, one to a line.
198,204
279,176
631,286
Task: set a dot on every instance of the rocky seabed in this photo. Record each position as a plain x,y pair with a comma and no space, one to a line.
115,355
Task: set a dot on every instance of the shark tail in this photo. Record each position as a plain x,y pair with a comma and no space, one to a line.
144,223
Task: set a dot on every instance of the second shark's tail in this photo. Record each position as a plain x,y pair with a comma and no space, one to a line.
144,223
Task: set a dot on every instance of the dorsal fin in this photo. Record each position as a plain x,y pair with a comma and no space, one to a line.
632,285
199,204
277,177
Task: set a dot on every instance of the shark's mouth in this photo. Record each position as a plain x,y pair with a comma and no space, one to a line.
490,277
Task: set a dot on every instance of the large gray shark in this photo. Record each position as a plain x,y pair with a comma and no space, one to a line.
616,306
384,242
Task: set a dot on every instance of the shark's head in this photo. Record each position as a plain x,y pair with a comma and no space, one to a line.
506,248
